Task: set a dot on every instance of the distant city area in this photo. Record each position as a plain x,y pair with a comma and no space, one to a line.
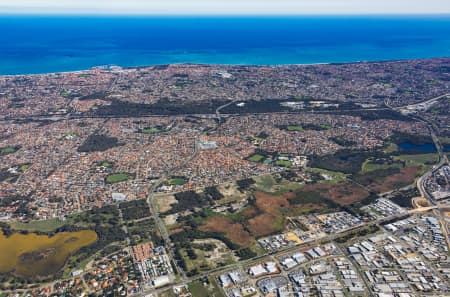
206,180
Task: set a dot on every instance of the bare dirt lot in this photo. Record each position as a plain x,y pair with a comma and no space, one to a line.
165,202
405,177
267,214
263,225
342,194
271,219
233,231
270,204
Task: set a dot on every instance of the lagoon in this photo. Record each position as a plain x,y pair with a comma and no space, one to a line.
33,255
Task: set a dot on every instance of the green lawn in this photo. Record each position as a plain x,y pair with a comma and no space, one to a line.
24,167
117,177
368,166
268,184
8,150
418,160
295,128
392,147
256,158
286,186
283,163
336,177
106,164
325,126
43,226
265,182
151,130
177,181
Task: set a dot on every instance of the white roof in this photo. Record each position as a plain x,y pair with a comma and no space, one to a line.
257,270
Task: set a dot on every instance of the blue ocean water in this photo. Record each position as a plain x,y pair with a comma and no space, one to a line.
39,44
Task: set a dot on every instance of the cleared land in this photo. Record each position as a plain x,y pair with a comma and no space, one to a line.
165,202
197,289
398,180
233,231
209,254
342,194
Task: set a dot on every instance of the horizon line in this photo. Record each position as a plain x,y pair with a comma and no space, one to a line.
93,13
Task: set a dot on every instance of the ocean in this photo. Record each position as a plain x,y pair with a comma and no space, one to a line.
41,44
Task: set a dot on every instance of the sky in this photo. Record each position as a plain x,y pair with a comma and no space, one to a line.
225,7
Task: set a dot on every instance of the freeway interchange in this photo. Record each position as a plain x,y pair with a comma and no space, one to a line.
435,206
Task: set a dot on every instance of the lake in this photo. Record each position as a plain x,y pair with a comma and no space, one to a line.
420,148
33,255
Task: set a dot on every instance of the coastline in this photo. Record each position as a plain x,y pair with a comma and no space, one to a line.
119,67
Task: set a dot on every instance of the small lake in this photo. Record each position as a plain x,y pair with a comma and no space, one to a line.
422,148
33,255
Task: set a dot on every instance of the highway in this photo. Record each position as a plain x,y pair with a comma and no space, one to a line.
438,211
416,106
169,246
427,104
292,248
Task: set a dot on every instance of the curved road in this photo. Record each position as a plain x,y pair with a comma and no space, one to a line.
438,212
151,197
166,175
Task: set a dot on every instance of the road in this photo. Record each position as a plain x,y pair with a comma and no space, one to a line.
218,115
169,246
438,212
292,248
427,104
69,116
154,208
416,106
435,206
443,160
